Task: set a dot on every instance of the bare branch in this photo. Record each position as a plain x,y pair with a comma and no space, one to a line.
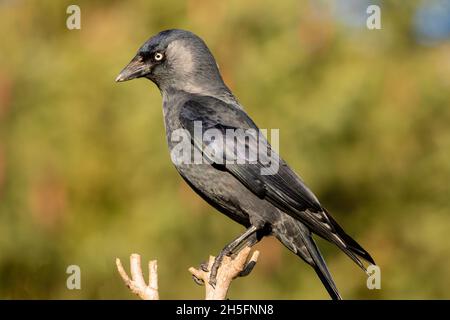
229,269
137,283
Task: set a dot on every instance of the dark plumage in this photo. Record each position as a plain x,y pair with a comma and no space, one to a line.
278,204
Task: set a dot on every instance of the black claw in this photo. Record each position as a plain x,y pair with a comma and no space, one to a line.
204,266
248,268
198,281
214,270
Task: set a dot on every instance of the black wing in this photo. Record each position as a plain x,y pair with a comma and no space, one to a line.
278,184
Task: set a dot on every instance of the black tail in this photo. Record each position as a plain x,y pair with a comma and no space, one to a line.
321,268
350,247
297,238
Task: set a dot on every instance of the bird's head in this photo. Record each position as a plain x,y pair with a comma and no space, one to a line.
175,59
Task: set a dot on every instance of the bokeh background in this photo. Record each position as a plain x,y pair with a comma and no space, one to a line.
85,176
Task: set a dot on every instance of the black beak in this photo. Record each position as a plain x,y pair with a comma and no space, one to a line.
135,69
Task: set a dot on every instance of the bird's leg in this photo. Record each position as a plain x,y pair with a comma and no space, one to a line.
228,250
251,241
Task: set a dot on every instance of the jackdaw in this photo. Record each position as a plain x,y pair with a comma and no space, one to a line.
276,202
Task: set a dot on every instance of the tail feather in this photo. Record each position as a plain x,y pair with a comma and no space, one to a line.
297,238
350,247
328,283
321,268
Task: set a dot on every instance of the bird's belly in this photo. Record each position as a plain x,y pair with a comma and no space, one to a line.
225,193
215,187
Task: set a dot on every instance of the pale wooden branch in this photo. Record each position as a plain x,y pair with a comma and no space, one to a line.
230,268
137,283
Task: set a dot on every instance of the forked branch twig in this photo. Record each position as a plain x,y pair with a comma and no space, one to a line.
230,269
137,283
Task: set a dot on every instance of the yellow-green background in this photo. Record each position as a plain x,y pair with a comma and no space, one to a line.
85,176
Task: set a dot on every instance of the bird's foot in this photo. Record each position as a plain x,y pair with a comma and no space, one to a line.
204,267
215,267
230,267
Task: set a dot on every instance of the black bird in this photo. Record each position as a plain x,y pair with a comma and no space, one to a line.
278,203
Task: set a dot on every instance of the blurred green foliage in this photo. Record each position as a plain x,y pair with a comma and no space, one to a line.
85,175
